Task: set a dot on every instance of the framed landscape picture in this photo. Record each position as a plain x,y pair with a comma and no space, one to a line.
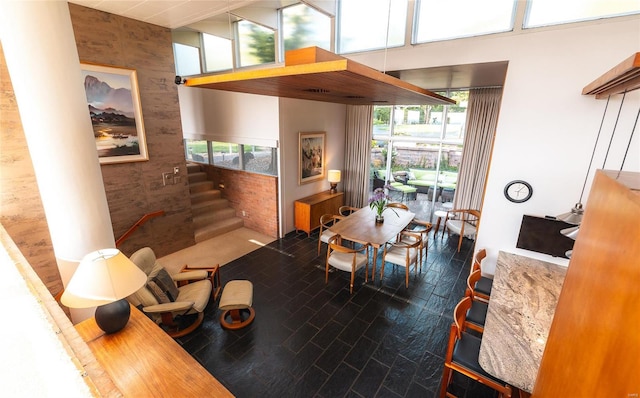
116,115
312,157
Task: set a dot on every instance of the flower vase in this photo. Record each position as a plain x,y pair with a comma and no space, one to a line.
379,218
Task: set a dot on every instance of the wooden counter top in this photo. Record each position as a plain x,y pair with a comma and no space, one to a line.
144,361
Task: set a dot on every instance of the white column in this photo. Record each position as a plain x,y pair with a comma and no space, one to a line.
42,58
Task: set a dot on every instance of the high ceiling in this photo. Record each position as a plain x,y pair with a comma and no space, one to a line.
199,15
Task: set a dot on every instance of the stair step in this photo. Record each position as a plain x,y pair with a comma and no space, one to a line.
197,187
206,196
218,228
212,217
209,206
197,176
193,168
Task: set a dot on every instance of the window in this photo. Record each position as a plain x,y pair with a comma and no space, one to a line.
549,12
218,54
364,27
441,20
420,146
256,44
187,59
302,26
255,159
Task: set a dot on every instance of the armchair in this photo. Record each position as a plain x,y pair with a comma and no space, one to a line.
168,299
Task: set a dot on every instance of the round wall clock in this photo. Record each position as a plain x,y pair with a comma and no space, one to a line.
518,191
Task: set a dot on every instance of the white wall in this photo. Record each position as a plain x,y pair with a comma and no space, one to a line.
229,117
547,129
306,116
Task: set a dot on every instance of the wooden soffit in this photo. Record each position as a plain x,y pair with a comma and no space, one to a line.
623,77
318,75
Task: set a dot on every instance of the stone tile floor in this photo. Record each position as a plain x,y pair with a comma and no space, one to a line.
311,339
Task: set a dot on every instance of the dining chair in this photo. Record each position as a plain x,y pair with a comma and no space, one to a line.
423,228
483,286
346,259
404,252
326,222
478,311
462,355
463,222
347,210
398,205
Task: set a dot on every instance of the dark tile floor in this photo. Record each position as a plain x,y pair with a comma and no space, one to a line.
311,339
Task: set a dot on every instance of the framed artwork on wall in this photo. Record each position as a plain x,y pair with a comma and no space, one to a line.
312,157
113,102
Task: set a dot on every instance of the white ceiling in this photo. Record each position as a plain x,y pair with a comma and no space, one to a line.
202,15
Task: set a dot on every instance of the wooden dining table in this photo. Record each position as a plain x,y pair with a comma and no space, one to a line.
361,227
521,308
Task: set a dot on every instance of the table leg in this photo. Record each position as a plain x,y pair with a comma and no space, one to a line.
375,260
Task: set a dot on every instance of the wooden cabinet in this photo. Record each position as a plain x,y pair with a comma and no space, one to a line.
593,348
308,210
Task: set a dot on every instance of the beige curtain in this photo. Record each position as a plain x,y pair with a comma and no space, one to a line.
357,154
482,119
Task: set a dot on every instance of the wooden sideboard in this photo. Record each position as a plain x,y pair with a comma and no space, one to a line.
143,361
309,210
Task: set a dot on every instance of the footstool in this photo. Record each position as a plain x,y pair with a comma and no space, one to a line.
236,300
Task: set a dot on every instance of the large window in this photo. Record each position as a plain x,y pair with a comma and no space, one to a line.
441,20
302,26
256,44
253,158
552,12
187,59
419,147
371,25
218,54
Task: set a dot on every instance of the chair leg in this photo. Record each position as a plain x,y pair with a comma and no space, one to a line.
460,243
446,380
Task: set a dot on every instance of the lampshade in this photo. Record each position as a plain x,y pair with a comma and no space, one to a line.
103,276
574,216
334,176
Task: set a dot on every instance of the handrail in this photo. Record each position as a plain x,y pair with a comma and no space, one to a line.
138,223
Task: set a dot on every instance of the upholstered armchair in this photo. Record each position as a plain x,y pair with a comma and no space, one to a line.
172,301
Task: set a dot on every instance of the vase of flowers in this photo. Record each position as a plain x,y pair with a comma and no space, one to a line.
378,203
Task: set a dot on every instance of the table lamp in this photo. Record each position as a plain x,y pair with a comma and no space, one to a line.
334,179
104,279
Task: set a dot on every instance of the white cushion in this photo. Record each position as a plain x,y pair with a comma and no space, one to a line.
398,255
344,261
326,235
455,226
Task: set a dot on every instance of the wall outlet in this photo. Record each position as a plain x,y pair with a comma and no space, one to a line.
176,170
245,213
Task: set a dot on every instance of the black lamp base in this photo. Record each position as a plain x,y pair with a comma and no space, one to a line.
114,316
334,186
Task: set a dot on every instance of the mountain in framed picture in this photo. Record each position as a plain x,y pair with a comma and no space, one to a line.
113,103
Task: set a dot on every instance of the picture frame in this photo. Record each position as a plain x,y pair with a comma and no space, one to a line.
312,157
113,102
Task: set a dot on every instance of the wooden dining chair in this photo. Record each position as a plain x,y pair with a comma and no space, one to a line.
463,222
398,205
326,222
483,286
404,252
478,311
346,259
423,228
347,210
462,355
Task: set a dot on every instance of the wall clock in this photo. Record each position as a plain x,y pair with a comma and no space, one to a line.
518,191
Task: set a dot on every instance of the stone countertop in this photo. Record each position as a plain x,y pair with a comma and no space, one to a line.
523,300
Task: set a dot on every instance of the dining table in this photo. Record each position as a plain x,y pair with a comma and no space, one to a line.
361,227
521,308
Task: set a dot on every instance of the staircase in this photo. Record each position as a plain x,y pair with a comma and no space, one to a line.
212,215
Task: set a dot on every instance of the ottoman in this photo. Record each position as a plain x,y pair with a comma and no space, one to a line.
235,303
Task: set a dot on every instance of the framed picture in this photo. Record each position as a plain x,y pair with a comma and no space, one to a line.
116,116
312,157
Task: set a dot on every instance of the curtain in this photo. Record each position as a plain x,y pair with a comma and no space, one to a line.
482,119
357,154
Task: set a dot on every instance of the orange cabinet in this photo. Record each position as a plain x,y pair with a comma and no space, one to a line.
309,210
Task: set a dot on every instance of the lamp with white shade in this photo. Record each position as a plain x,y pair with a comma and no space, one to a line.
104,279
334,179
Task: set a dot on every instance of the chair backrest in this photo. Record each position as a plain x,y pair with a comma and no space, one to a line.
460,315
472,279
398,205
477,260
347,210
145,259
327,220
